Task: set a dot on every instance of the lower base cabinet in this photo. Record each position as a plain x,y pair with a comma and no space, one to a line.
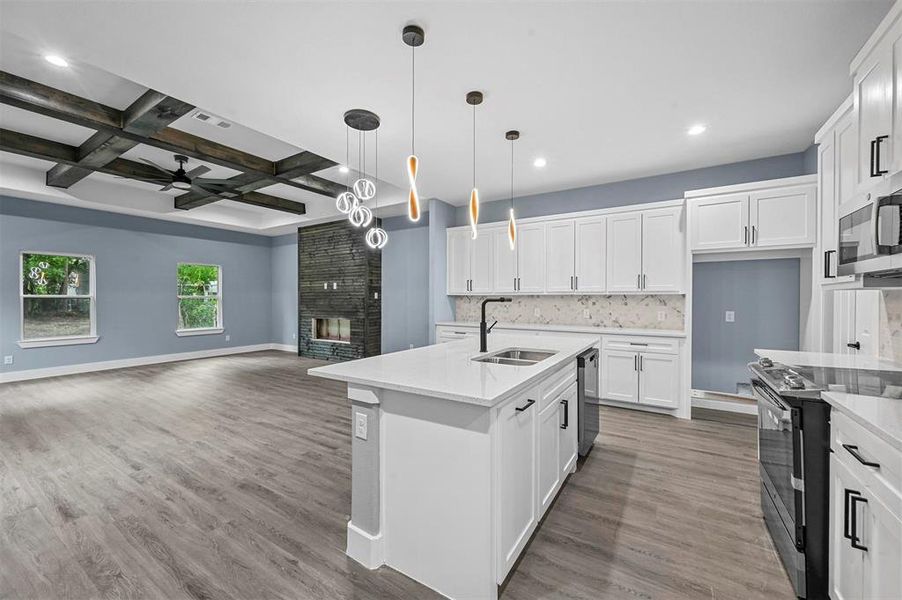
641,371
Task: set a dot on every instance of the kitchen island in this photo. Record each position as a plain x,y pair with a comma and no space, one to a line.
454,460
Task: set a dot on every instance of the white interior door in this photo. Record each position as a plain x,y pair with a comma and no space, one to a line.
783,217
560,252
719,222
482,264
663,255
504,263
659,380
531,257
624,256
458,262
620,375
591,248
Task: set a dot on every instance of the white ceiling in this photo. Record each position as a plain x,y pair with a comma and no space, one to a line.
603,90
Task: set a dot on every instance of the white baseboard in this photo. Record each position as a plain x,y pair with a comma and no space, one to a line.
138,361
726,406
365,548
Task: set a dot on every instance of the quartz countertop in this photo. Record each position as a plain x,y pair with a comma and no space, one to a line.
446,370
881,416
826,359
572,328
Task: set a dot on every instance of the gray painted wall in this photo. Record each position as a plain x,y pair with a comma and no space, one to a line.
441,306
136,281
284,267
405,285
646,189
764,294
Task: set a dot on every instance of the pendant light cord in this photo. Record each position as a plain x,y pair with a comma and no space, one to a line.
413,98
512,173
376,170
474,146
348,158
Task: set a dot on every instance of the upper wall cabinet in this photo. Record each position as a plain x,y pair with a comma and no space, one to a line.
877,76
774,216
638,251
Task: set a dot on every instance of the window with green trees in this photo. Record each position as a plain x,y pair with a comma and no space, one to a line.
57,296
200,297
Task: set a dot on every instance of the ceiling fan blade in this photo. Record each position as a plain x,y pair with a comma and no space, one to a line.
166,188
157,167
205,181
198,171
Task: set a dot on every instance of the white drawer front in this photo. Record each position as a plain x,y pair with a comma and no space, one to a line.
641,344
849,439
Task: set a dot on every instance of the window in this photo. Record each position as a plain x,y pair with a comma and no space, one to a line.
57,299
200,299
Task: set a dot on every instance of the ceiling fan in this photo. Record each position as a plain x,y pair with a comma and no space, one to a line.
186,180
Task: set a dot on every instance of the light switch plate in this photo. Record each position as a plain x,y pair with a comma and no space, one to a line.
662,315
8,360
586,313
536,312
360,425
730,316
228,338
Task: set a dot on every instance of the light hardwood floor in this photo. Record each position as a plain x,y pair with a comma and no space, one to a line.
230,478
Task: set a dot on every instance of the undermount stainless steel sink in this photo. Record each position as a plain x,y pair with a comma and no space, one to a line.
519,357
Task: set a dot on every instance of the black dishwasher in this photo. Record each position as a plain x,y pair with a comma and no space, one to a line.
587,400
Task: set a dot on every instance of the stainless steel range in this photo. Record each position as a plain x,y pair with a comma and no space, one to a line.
793,459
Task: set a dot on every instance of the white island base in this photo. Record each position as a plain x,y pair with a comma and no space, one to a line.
461,459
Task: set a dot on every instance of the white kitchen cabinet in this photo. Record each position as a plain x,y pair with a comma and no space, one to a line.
568,430
517,433
620,375
624,256
783,217
720,223
856,322
481,264
657,374
504,273
846,137
549,474
846,563
531,258
882,535
458,262
591,249
663,253
560,256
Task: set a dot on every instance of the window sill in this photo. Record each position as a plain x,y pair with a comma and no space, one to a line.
65,341
190,332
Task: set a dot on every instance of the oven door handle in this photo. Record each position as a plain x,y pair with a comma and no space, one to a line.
768,397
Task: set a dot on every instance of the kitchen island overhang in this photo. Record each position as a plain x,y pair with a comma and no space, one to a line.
455,461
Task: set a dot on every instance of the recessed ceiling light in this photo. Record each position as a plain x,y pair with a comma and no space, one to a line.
342,169
697,129
539,162
57,61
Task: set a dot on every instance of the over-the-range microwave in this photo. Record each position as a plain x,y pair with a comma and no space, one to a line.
870,236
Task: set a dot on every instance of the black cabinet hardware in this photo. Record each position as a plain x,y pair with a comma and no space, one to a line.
873,143
638,343
525,406
745,239
640,362
855,345
877,143
576,282
827,254
754,231
566,405
643,281
854,539
853,450
636,363
571,282
847,493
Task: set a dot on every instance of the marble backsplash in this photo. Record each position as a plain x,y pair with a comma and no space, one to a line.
891,326
624,311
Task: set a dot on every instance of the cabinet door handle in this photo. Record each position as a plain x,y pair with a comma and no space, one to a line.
873,144
854,345
571,282
566,405
525,406
636,363
640,362
639,281
576,282
853,504
644,282
745,238
853,450
827,274
754,231
877,143
847,493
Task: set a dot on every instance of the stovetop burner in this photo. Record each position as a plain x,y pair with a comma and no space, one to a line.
809,382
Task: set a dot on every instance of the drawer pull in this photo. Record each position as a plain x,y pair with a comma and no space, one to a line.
525,406
566,405
853,450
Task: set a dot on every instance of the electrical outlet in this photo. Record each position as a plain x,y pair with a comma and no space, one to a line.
360,425
536,312
662,315
8,360
228,338
586,314
730,316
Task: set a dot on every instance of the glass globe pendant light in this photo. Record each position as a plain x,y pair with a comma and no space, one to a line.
474,99
413,36
360,215
512,135
376,237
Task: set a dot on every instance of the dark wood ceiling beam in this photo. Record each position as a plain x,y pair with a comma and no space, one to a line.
36,97
191,200
148,114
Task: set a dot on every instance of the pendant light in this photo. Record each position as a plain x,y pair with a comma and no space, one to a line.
413,36
359,214
376,237
512,135
474,99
